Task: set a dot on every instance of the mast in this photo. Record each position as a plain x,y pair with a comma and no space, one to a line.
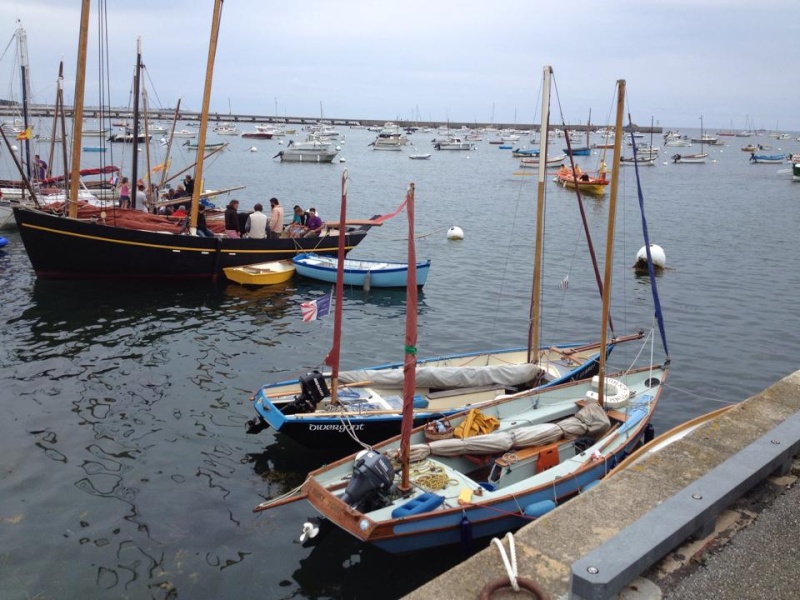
410,360
701,134
201,135
169,151
588,128
77,112
135,140
145,109
57,111
612,213
60,110
22,40
538,261
332,360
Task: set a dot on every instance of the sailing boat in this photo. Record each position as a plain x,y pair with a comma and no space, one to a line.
367,408
581,150
113,244
694,158
548,445
22,191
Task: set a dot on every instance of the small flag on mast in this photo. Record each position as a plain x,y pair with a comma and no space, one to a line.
316,309
25,135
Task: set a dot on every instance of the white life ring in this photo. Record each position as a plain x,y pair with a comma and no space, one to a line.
620,396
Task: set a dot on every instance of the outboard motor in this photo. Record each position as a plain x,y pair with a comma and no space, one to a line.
313,390
372,473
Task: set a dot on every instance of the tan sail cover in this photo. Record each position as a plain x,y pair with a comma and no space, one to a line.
447,377
590,420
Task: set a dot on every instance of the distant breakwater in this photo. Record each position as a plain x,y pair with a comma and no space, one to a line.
47,111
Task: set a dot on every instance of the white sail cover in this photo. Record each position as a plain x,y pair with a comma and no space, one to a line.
590,420
447,377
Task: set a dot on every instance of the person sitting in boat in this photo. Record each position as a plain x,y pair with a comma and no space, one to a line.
314,225
584,177
180,212
232,219
256,226
297,228
202,226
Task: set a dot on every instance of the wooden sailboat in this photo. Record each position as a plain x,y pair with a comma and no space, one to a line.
111,244
547,446
369,409
574,178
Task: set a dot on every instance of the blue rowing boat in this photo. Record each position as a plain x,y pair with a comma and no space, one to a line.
365,273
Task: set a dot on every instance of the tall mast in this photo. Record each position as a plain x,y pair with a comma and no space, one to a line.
538,261
22,40
201,135
612,213
410,357
135,140
333,358
77,112
169,152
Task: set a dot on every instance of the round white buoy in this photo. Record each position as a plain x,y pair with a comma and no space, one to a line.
14,148
342,159
455,233
252,149
280,142
338,148
656,252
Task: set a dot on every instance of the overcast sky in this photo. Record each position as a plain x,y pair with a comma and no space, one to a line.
472,60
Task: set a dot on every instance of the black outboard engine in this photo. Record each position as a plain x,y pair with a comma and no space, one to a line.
372,473
312,391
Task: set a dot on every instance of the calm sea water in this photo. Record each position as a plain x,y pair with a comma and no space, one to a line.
125,470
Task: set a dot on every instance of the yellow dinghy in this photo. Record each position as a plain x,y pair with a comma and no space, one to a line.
266,273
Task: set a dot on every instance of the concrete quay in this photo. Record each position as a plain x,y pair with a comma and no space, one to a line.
649,524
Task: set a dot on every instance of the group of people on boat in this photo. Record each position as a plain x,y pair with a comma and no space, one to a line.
258,225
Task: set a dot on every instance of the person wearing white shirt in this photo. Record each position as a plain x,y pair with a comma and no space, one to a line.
256,226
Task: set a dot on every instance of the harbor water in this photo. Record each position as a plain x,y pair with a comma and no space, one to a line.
126,471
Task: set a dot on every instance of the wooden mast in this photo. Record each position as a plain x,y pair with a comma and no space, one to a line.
22,41
201,135
77,111
163,181
333,358
612,213
135,140
538,261
410,357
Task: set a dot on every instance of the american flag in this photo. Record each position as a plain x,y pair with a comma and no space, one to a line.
316,309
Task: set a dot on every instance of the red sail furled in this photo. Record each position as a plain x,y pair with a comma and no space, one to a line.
380,219
410,362
83,172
